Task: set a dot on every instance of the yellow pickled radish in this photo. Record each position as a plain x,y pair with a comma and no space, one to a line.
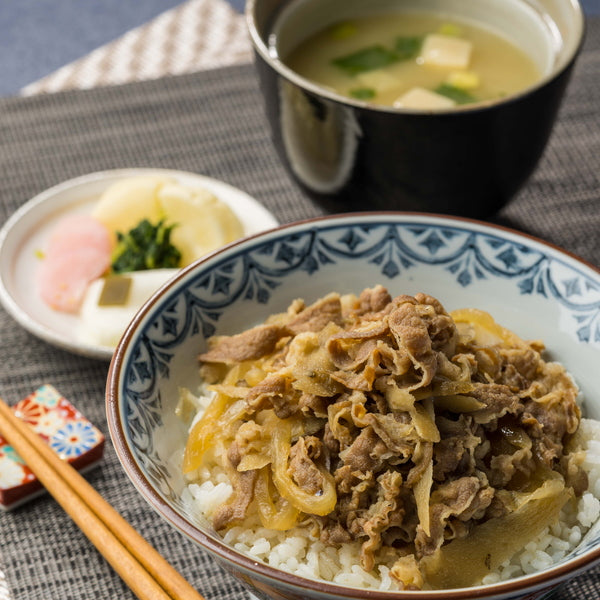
202,222
127,202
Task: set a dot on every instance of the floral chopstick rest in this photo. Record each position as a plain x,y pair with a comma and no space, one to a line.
63,427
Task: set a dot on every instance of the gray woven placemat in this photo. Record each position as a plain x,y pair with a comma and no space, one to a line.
211,123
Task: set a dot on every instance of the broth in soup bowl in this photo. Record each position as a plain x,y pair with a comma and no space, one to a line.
443,106
414,60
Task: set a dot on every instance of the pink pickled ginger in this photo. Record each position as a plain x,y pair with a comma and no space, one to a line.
78,252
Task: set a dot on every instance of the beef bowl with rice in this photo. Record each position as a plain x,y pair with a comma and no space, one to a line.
398,405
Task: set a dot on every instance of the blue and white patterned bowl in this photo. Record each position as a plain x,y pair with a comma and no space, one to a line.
532,287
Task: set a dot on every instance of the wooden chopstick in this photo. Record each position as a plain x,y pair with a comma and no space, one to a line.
143,569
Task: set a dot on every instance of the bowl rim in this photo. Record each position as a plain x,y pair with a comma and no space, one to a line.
280,67
537,581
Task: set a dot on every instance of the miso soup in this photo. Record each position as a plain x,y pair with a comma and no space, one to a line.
415,61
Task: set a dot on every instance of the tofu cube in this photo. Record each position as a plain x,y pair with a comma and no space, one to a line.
446,51
420,98
380,80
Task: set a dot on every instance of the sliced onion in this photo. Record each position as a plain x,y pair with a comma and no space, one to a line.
458,403
315,504
480,326
464,562
221,412
281,515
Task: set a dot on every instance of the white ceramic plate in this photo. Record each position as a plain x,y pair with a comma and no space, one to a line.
26,232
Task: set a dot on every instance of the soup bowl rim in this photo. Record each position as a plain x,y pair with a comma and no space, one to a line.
485,105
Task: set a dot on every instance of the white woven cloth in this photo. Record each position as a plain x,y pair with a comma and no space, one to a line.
194,36
3,588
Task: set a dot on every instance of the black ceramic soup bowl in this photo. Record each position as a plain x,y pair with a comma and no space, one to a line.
469,160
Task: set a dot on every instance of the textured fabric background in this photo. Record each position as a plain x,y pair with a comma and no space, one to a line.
211,123
194,36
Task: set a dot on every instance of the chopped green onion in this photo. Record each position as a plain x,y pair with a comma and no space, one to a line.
343,31
363,93
464,80
367,59
376,57
450,29
408,47
458,95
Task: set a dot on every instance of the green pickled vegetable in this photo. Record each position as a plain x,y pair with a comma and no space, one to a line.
459,95
146,246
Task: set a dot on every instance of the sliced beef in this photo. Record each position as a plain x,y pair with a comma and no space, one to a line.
440,326
373,300
365,452
235,509
396,431
334,534
385,512
318,315
412,337
520,367
249,345
498,400
302,467
385,395
462,499
455,452
275,391
311,404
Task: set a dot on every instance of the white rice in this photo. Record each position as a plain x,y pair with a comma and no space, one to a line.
296,551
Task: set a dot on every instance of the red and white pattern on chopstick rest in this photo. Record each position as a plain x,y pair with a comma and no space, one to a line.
194,36
66,431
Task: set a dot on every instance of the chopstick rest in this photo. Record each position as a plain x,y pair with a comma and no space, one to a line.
143,569
68,432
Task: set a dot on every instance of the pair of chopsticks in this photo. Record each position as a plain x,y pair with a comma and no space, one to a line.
143,569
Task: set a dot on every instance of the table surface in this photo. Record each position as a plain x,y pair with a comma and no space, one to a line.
191,122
